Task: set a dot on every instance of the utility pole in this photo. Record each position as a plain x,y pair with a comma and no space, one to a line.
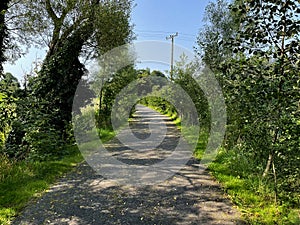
172,36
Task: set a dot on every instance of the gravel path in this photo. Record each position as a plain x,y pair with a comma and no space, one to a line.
83,197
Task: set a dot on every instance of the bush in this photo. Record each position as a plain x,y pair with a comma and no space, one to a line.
32,134
43,144
37,144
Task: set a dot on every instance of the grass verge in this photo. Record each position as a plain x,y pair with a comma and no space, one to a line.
188,132
23,181
253,196
171,114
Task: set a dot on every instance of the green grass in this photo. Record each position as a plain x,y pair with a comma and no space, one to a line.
253,196
21,182
188,132
171,114
106,134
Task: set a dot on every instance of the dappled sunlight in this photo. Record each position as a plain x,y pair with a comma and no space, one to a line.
187,195
92,199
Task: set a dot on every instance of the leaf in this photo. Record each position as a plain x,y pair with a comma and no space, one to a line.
2,96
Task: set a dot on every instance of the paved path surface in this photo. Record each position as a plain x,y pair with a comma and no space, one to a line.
82,197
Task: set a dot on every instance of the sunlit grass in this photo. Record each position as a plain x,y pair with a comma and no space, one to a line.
192,134
250,193
253,196
23,181
106,134
26,180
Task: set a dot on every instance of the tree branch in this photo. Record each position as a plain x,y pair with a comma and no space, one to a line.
265,23
51,12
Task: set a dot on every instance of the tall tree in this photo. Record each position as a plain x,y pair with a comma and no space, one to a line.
261,85
221,26
3,31
274,27
71,29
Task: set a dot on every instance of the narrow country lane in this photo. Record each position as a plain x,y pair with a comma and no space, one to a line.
82,197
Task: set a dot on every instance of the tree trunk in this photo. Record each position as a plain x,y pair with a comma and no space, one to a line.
270,158
268,166
101,95
3,32
275,182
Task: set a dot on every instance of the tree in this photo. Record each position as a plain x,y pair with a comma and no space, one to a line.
9,93
221,26
70,29
3,32
110,88
276,31
261,85
186,74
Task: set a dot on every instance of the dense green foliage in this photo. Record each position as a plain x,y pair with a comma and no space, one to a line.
251,46
3,32
10,89
40,126
260,79
187,77
7,81
109,88
36,137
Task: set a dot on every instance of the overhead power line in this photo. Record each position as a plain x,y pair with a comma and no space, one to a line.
172,36
157,32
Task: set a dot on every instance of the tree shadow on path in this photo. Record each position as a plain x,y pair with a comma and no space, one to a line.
83,197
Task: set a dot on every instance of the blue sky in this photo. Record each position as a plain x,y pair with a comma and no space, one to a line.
153,20
156,19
